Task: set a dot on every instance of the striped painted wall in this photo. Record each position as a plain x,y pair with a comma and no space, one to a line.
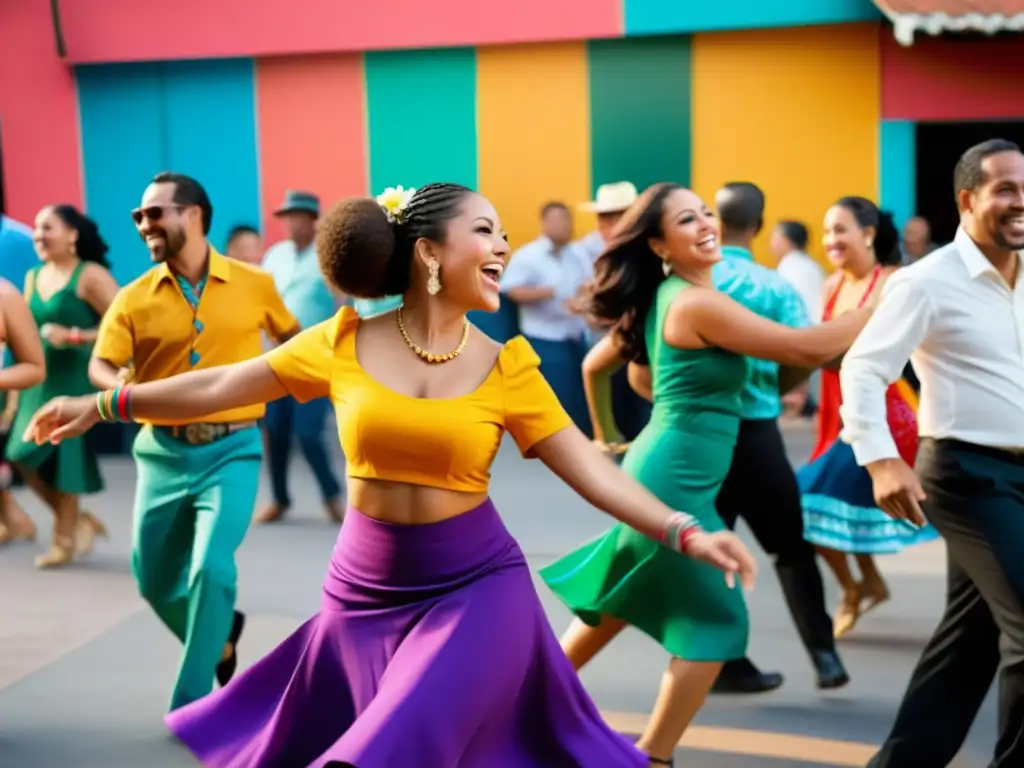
525,124
808,112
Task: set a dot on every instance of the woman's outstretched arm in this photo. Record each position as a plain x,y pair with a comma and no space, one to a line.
578,462
701,317
185,396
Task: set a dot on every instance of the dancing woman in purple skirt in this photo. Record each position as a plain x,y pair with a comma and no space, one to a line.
430,648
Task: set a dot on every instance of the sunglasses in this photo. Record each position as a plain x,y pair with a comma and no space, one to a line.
154,212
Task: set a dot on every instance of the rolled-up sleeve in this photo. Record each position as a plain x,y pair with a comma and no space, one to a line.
877,359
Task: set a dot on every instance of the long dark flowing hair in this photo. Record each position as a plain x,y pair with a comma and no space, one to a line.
628,273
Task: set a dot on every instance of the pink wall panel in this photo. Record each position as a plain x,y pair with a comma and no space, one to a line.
311,128
113,30
945,79
38,113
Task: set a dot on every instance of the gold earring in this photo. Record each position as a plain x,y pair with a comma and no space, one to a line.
666,267
74,249
869,243
434,282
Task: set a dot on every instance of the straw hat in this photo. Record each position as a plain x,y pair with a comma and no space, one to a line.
611,198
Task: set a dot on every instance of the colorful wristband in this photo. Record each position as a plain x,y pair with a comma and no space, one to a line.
115,404
678,530
101,406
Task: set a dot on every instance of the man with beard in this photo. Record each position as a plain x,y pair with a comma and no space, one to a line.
197,481
958,314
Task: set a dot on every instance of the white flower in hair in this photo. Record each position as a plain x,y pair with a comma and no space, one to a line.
394,201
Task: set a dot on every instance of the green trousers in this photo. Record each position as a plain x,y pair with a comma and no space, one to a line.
193,505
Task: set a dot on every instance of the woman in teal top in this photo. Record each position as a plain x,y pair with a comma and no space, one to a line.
654,288
67,295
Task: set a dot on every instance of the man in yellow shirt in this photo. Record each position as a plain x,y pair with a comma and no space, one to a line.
197,480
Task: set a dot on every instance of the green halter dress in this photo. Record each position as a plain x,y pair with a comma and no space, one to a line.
682,456
71,466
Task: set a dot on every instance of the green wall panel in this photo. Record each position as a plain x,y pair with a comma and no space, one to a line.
640,110
421,109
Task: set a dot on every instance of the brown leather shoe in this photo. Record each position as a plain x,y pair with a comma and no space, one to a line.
335,509
271,514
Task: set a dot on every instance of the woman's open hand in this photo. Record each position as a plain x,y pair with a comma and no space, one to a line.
725,552
61,418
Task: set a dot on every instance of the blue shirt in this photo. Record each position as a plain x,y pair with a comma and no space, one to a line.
763,291
17,253
370,307
298,279
17,257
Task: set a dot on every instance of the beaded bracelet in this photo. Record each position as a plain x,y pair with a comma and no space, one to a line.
115,404
679,529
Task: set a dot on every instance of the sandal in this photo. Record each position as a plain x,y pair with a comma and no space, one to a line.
849,612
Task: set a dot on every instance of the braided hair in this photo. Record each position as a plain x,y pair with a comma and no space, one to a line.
365,254
90,246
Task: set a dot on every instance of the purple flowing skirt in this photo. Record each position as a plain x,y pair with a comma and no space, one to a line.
430,649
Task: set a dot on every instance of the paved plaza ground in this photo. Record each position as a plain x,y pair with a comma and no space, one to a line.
85,669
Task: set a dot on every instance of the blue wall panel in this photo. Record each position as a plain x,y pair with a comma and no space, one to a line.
898,169
655,17
121,116
211,135
193,117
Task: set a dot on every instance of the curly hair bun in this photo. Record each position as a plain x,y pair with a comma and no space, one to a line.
355,243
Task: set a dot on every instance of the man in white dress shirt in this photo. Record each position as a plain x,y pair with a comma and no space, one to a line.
797,267
960,315
543,278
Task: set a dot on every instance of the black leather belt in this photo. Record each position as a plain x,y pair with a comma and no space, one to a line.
204,434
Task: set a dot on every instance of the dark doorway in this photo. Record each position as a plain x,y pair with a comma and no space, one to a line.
939,146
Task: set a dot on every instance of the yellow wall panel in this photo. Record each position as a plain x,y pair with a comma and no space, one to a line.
533,132
796,111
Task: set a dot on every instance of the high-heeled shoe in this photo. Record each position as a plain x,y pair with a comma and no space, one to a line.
10,534
849,611
62,552
87,529
874,595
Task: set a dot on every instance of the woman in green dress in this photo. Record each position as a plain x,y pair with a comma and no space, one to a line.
654,288
67,295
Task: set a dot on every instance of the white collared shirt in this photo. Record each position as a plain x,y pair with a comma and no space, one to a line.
806,275
962,325
538,265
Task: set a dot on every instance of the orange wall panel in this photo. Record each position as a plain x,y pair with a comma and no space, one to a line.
796,111
533,132
312,130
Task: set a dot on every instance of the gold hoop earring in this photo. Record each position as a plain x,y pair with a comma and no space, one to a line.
434,281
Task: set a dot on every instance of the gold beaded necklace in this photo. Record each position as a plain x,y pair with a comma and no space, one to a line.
430,357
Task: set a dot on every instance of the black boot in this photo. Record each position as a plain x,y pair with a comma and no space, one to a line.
805,596
830,669
226,668
741,676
